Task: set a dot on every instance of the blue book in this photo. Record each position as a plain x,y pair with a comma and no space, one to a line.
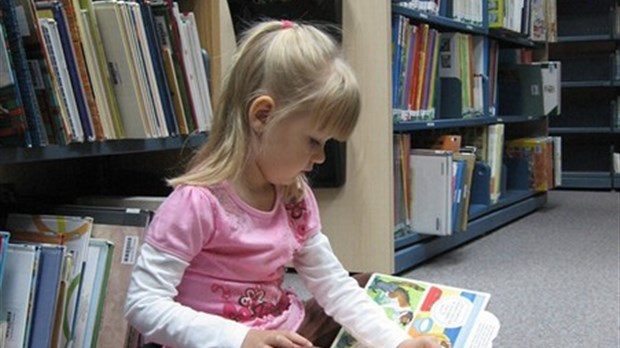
153,41
76,82
48,282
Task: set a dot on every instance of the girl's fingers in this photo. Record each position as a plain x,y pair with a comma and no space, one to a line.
288,340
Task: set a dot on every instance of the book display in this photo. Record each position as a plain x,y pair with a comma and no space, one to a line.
588,47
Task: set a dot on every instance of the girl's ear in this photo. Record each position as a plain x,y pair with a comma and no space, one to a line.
260,111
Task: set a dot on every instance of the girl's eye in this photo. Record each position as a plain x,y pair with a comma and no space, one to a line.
315,142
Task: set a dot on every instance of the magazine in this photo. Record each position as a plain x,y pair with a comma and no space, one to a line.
456,317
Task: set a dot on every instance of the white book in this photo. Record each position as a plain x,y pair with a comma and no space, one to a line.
495,152
18,290
431,192
199,68
129,29
53,47
127,88
91,292
96,78
191,74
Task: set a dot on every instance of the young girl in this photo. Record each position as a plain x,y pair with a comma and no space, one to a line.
211,271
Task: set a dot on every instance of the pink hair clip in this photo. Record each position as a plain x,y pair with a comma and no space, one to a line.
286,24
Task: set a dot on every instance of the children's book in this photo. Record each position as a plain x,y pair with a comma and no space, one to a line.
456,317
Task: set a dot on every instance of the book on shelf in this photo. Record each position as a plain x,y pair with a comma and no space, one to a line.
431,200
461,72
538,153
495,150
73,23
98,68
13,124
51,268
465,11
117,43
41,71
93,292
73,55
456,317
30,126
152,40
61,79
18,292
194,68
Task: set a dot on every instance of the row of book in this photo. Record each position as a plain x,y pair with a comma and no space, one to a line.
84,70
464,11
437,187
435,70
65,275
455,75
534,19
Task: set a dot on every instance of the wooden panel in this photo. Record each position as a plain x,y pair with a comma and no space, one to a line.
358,218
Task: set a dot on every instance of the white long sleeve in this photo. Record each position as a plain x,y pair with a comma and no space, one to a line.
150,307
342,298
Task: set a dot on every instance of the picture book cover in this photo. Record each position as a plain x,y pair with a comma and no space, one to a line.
456,317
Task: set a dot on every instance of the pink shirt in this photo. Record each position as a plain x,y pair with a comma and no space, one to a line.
236,253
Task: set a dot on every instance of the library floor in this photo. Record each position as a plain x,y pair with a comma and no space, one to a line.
553,276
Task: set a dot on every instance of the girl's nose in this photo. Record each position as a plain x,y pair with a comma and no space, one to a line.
319,155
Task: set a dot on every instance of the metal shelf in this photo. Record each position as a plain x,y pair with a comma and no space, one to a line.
586,180
438,21
461,122
585,38
580,130
105,148
427,248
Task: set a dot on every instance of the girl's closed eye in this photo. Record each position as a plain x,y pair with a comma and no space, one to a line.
315,142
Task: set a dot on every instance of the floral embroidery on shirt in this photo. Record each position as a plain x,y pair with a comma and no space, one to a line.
298,213
254,305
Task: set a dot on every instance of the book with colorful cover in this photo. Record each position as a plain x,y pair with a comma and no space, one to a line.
456,317
71,231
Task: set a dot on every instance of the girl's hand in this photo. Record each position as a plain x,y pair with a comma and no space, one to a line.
274,339
420,342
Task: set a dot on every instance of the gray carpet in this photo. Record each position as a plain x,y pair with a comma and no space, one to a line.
553,276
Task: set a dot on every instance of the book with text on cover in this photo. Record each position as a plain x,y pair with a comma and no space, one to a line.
455,316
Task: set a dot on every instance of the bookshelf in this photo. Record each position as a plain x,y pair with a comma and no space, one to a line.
588,47
42,171
359,218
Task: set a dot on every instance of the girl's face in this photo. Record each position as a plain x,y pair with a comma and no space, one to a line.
288,148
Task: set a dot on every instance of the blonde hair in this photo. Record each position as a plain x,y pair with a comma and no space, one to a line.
302,69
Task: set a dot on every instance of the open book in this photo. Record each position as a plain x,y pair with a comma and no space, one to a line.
455,316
